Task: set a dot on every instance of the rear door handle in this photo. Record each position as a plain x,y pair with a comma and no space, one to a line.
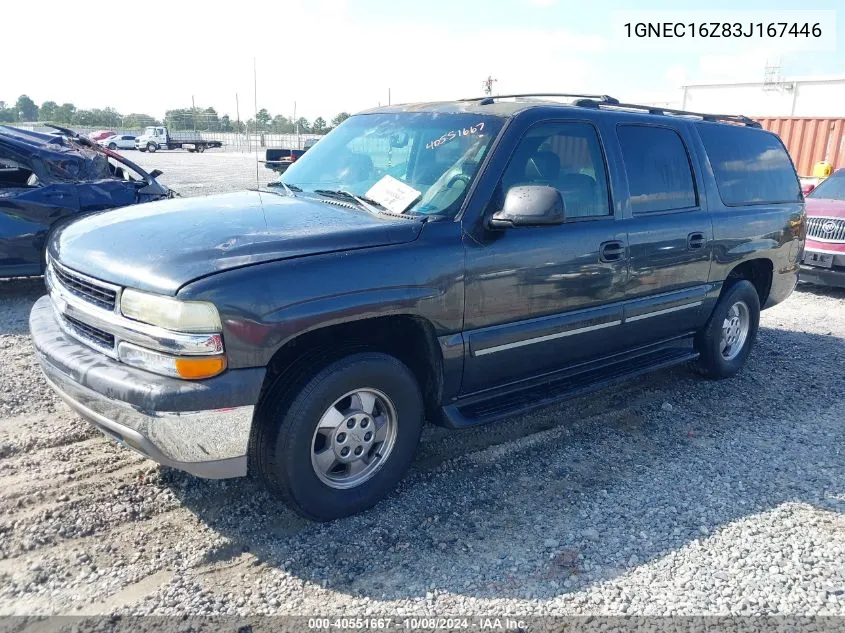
696,240
612,251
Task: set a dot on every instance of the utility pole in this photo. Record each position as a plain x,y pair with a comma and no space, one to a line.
296,125
487,85
388,96
238,116
255,98
255,91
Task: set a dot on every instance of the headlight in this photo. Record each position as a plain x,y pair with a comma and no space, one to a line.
170,313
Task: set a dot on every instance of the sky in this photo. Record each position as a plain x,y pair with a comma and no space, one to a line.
328,56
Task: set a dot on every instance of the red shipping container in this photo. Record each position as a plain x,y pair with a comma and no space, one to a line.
810,140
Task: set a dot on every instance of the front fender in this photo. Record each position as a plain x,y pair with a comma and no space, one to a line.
264,306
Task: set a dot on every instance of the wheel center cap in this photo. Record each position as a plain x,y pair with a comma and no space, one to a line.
354,437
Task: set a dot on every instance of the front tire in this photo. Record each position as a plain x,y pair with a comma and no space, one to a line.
344,440
726,340
152,147
112,146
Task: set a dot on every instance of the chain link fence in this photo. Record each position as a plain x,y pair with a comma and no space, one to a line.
254,142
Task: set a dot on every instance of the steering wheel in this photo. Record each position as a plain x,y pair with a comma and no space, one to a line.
459,177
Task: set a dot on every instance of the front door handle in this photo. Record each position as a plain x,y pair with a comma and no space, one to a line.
696,240
612,251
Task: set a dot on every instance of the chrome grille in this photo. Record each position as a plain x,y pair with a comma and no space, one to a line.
97,337
826,229
85,288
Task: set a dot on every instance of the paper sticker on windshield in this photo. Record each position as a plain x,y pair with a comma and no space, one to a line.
393,194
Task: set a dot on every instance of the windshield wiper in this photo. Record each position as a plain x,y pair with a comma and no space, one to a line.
366,203
289,189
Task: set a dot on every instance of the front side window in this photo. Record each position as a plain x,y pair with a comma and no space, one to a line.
438,155
568,157
751,166
15,174
658,167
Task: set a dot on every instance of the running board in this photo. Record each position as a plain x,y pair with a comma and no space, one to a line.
484,408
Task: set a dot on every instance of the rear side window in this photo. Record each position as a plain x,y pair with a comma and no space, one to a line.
658,167
750,166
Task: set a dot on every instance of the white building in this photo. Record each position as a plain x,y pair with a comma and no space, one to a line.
809,97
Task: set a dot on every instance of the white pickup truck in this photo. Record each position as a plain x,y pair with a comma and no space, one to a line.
156,137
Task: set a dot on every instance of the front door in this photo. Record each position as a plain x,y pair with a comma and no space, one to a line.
542,298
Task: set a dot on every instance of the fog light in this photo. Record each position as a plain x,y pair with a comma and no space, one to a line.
191,368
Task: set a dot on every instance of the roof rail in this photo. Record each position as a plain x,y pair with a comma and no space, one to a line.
606,101
488,99
739,119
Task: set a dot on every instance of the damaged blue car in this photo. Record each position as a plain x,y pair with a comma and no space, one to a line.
49,179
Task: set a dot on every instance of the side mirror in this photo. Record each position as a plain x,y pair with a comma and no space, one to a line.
155,173
805,189
530,205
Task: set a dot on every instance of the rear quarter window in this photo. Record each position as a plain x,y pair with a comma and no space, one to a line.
750,166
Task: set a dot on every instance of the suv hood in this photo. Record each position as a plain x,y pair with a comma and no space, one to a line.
161,246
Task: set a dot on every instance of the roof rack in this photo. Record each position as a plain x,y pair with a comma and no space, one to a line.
606,101
728,118
488,99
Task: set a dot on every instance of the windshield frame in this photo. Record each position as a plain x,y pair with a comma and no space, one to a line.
454,210
839,174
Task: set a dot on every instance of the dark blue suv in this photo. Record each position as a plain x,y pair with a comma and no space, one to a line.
457,262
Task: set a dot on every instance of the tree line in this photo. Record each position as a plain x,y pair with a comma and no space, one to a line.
200,119
26,110
207,119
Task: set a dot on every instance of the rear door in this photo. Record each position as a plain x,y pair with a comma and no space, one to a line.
543,298
670,232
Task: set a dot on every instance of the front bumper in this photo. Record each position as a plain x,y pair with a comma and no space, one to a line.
822,276
201,427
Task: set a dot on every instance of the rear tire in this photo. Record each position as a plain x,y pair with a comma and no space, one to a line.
726,340
152,147
344,440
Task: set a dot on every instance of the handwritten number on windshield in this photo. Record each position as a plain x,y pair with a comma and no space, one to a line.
451,135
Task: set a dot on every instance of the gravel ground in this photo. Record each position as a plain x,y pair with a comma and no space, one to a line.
669,495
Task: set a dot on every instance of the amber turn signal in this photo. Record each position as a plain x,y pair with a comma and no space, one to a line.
196,368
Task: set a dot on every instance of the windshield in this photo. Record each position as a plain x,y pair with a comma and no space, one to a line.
833,188
434,156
